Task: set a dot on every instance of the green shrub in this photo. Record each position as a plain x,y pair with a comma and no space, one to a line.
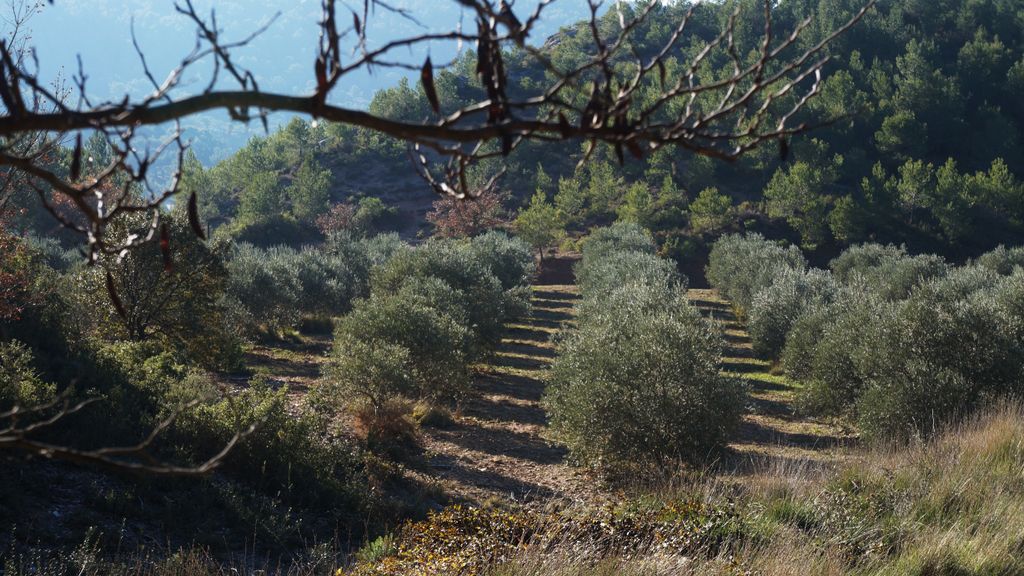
292,457
20,383
373,216
1002,260
953,344
271,230
181,308
740,266
485,305
435,344
377,249
377,550
329,282
508,258
619,237
274,288
639,382
824,346
776,307
373,372
619,253
598,278
864,257
265,287
888,270
903,368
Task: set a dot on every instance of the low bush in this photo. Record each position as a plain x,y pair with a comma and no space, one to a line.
434,345
619,237
292,457
741,266
474,541
264,287
824,347
598,279
1002,261
368,371
388,430
953,344
637,381
777,307
623,251
888,270
485,305
272,289
329,283
901,368
508,258
20,383
182,307
898,343
432,310
640,382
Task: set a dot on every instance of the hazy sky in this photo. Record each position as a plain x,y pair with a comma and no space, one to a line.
99,31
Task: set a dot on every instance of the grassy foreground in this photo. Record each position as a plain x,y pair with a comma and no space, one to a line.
952,506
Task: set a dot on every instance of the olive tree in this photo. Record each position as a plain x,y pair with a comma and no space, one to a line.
740,266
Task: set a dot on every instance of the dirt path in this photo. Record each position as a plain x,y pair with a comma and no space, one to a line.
497,447
772,433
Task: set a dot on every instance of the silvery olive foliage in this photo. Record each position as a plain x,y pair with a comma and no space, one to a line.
889,270
431,343
952,345
776,307
638,381
739,266
617,254
274,288
905,367
432,310
1002,260
507,257
899,343
485,304
824,344
619,237
597,280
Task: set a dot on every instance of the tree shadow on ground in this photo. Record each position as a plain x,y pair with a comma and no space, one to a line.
503,361
466,473
528,348
557,296
507,410
529,334
750,431
512,385
502,442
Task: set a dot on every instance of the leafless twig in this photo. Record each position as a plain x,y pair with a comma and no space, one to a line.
597,101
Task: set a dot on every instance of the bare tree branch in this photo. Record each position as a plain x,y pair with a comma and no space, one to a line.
19,424
722,118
